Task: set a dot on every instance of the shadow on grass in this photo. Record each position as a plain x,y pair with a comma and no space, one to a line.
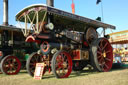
73,74
119,66
82,73
50,76
117,69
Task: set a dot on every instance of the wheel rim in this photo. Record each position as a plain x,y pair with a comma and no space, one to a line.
63,65
11,65
104,55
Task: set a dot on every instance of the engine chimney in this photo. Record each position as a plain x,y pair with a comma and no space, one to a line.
50,3
50,17
5,12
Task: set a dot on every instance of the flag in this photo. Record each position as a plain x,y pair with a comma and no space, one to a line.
73,8
98,1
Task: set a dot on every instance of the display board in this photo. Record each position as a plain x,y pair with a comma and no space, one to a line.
39,71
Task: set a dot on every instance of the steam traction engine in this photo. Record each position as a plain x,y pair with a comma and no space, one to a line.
14,50
67,41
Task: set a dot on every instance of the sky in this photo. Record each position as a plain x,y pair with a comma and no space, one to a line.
115,12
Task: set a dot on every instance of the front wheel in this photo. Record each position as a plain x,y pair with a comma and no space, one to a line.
31,63
101,55
61,64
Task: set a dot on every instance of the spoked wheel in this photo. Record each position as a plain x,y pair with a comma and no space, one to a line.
102,55
10,65
61,64
31,63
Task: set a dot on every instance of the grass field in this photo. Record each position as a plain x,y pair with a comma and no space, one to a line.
86,77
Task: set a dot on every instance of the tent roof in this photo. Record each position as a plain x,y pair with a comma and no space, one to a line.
119,37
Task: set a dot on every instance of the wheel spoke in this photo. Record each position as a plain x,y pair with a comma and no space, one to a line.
100,60
108,51
15,64
58,70
11,69
100,54
36,58
106,65
32,64
99,48
101,44
63,71
6,68
9,62
102,66
107,59
105,46
33,60
32,68
14,67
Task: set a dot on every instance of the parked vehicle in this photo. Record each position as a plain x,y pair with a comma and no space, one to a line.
67,41
13,50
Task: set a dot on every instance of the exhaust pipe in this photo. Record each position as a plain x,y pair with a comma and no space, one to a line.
50,3
50,17
5,12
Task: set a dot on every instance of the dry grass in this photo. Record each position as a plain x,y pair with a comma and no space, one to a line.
115,77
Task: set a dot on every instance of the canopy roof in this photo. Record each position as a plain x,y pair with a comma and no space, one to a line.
67,17
119,37
11,28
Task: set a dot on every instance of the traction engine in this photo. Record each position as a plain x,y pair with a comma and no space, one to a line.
67,41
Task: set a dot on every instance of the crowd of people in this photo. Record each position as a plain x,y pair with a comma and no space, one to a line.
121,52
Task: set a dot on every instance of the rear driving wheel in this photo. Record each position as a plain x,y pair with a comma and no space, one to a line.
61,64
10,65
102,55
